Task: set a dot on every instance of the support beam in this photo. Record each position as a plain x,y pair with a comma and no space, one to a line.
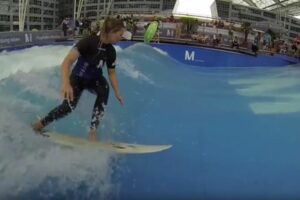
79,8
74,11
250,3
23,4
289,7
108,7
277,3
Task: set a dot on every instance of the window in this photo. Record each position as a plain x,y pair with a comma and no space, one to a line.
91,14
92,1
270,15
49,12
296,22
48,20
246,17
4,28
255,11
234,7
48,27
4,18
35,10
38,27
49,5
36,2
120,6
285,19
35,19
168,4
293,35
91,8
223,9
154,5
293,28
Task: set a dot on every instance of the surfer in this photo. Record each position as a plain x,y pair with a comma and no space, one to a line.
91,54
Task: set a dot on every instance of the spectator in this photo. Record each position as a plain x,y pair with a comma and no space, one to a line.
178,30
215,40
235,43
172,19
255,45
86,24
81,25
283,48
77,27
65,26
157,31
298,50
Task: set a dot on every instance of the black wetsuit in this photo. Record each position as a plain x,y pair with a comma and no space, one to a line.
87,74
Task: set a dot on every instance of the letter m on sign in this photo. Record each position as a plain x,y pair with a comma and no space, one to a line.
190,56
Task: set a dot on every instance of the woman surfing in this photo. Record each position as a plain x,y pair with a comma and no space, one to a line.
90,55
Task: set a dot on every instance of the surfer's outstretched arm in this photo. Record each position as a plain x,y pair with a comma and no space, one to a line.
114,83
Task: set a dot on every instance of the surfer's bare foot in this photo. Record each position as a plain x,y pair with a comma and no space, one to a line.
92,135
37,127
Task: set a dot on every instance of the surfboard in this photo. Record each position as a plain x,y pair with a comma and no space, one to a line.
113,146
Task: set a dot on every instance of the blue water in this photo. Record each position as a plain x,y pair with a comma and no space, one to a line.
234,131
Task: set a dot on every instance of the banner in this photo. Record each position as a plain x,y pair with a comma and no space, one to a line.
14,39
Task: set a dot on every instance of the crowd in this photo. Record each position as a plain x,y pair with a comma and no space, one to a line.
260,41
218,33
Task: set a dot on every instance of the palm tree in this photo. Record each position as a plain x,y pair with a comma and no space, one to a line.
189,23
246,28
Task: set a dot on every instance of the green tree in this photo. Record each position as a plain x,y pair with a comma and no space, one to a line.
246,28
189,23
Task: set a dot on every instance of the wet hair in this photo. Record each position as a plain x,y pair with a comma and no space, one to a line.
111,25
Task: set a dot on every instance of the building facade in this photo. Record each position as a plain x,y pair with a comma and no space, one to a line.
289,26
95,9
41,15
48,14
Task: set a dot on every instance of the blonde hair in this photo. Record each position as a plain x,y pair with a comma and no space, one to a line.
112,25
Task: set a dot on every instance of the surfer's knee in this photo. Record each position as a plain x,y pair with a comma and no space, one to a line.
68,106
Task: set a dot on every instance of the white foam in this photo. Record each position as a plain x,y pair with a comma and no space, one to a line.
118,48
26,160
39,83
275,86
32,58
285,107
161,51
267,86
130,70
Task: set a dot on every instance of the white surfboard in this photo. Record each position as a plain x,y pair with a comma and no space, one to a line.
118,147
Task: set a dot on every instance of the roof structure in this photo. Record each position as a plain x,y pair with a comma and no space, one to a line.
291,7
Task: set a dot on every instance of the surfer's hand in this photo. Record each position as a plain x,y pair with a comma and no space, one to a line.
67,91
120,99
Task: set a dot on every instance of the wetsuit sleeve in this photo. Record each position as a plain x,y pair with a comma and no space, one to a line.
111,58
84,46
